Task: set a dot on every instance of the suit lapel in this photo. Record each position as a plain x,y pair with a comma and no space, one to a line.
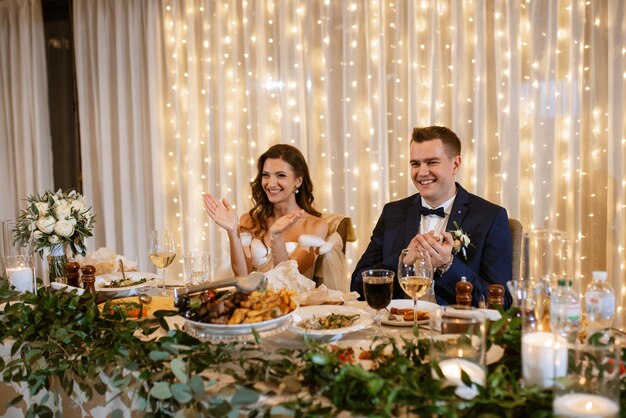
413,218
459,207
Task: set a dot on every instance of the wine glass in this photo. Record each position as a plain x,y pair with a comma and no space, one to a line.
378,288
162,252
415,275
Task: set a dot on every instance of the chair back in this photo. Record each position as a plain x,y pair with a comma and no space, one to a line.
333,262
517,231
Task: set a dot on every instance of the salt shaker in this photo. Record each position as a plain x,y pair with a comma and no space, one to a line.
72,272
496,296
464,292
89,278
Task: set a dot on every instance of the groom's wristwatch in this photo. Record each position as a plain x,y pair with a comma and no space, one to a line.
446,266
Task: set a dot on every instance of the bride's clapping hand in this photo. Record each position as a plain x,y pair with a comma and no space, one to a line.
285,222
221,212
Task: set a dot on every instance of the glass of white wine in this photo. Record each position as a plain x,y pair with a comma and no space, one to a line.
162,252
415,275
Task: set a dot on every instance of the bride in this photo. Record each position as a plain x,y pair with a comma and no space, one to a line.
283,211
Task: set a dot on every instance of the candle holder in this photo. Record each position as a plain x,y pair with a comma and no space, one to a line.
457,346
20,272
590,386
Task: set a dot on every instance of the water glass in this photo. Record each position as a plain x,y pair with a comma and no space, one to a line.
591,382
197,265
458,343
20,271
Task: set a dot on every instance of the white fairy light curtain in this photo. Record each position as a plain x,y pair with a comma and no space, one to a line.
535,90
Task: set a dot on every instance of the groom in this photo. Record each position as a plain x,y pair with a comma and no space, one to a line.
427,220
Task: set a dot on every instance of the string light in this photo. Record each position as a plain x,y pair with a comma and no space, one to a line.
241,79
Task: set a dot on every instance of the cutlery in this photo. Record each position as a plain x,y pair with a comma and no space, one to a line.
244,284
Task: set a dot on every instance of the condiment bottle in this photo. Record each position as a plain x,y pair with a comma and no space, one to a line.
495,296
89,278
464,292
72,272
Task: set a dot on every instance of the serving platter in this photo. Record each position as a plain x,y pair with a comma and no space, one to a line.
304,313
157,303
103,282
238,332
398,320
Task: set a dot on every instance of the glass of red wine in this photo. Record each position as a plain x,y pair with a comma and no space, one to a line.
378,289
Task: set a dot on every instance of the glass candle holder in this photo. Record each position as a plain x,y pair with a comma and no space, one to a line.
20,272
457,345
590,386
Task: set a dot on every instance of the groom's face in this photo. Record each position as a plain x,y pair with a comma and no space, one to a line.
433,171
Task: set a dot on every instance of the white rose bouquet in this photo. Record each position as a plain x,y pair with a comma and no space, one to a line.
55,219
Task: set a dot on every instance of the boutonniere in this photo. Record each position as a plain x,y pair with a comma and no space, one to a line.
460,240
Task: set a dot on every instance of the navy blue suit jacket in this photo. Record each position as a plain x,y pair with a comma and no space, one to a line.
489,260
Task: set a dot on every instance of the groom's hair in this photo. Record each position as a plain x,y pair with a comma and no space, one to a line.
450,141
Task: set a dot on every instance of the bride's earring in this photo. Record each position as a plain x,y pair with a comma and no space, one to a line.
297,190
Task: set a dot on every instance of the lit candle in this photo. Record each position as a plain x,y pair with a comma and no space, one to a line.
584,405
21,278
544,358
451,369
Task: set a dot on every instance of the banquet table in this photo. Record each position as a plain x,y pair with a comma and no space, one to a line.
113,402
103,405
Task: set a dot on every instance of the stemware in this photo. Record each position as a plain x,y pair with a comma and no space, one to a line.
415,275
378,288
162,252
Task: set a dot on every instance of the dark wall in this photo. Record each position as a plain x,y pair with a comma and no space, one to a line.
62,94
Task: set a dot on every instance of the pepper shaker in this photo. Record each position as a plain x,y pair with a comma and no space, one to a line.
72,272
89,278
496,296
464,292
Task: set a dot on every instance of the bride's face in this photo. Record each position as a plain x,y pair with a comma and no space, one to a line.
278,180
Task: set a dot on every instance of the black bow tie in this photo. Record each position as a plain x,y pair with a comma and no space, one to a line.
439,212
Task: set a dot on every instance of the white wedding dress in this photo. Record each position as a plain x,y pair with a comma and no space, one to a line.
331,260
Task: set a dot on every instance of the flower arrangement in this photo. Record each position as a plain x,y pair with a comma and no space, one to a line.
461,241
55,219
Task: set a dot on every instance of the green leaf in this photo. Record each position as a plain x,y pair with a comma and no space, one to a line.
181,392
244,396
159,355
197,384
161,390
179,369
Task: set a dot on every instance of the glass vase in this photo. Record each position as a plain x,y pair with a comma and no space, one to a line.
56,264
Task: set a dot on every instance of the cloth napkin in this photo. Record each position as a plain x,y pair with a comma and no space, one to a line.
286,276
106,261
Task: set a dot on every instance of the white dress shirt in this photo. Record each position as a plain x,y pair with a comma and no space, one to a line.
433,222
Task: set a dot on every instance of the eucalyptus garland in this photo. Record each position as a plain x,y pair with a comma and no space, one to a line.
62,337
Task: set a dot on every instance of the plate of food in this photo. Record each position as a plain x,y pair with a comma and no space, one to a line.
399,312
114,282
232,315
133,309
325,320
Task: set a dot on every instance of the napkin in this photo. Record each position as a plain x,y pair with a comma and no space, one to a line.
323,295
286,276
106,261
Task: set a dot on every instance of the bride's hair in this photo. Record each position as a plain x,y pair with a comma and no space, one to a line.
263,208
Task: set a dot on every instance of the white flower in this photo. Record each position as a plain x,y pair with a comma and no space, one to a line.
37,234
64,228
78,206
32,226
53,239
46,225
465,241
63,210
42,208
